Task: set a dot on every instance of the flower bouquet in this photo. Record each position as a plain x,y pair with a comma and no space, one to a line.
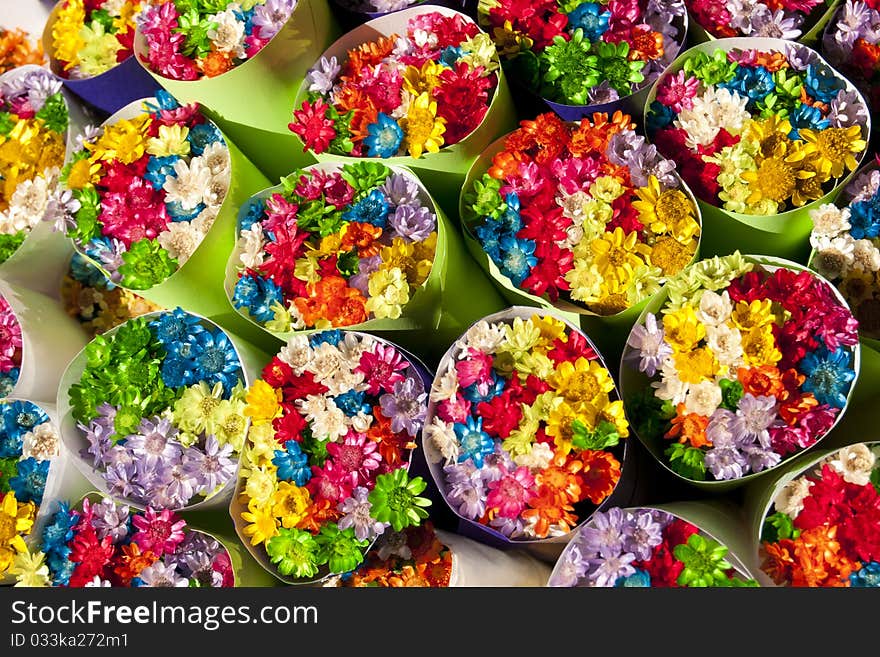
356,245
740,364
582,56
427,557
18,48
420,87
851,42
762,130
154,410
582,217
801,20
666,546
334,421
153,197
524,432
243,61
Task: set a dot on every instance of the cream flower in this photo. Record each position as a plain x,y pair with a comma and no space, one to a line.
352,347
217,189
538,458
181,240
854,464
715,309
484,337
703,398
326,419
41,443
216,158
834,255
27,205
171,140
790,500
441,442
829,221
716,108
445,386
326,362
866,257
250,244
297,353
189,185
670,387
361,422
228,35
726,344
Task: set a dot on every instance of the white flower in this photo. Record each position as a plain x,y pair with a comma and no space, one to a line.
28,204
205,219
670,387
216,158
228,34
573,205
484,337
322,76
361,422
189,185
854,464
441,442
41,443
326,362
352,347
726,344
181,240
790,500
538,458
217,188
297,353
343,380
716,108
703,398
387,6
445,386
715,309
834,255
114,7
866,257
326,419
829,221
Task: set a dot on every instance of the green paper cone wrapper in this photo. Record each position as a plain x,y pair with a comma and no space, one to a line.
455,294
251,360
50,338
784,235
549,548
443,172
632,381
197,284
252,102
41,260
717,519
760,498
607,331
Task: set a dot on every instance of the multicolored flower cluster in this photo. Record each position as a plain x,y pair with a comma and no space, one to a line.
413,94
98,304
109,544
845,241
824,529
188,40
33,134
10,348
18,48
28,443
89,37
525,419
776,19
644,548
587,210
334,421
161,406
142,193
338,246
413,557
585,52
852,44
758,132
749,364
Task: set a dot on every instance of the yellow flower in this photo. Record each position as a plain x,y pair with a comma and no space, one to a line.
520,337
423,129
478,51
66,39
424,80
614,414
16,521
262,444
759,347
290,503
400,255
696,365
83,173
774,180
127,12
510,42
584,280
559,426
263,525
31,570
124,141
581,382
771,134
615,249
747,316
260,483
835,148
606,188
171,140
551,329
534,363
389,290
263,402
683,331
307,269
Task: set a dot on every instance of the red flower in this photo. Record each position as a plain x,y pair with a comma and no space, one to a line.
548,276
299,387
671,142
663,567
576,347
500,417
678,532
91,555
277,372
462,99
825,503
624,215
313,126
702,178
289,426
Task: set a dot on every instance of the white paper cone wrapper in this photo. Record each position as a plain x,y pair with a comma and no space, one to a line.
475,564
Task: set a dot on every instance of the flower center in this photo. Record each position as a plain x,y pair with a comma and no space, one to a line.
154,443
7,528
26,419
776,180
350,457
212,360
833,144
399,500
233,425
825,378
208,405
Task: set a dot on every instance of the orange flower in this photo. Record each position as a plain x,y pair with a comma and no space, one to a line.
765,380
778,562
216,63
361,106
347,308
600,475
506,164
689,428
594,135
550,134
406,578
320,512
132,562
807,100
621,172
519,141
367,54
791,410
819,561
645,44
362,236
792,380
563,475
547,508
16,49
437,573
772,61
391,445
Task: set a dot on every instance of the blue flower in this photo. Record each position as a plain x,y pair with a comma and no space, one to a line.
292,464
59,531
828,375
86,273
384,137
30,482
247,289
754,83
201,136
821,83
510,220
60,565
178,371
489,235
371,209
164,101
160,168
659,116
175,327
472,392
474,443
332,337
352,402
216,360
136,583
177,213
450,55
19,417
258,295
867,577
591,17
864,219
517,258
806,116
8,381
639,579
250,213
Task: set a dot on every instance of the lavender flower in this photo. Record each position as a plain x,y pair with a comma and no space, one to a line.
120,480
645,161
649,347
198,564
800,57
356,513
726,463
400,190
271,16
602,93
160,574
210,468
606,571
776,25
321,77
98,438
745,13
760,458
641,534
153,443
60,209
178,485
509,527
465,489
110,520
89,133
621,145
719,431
571,568
603,535
361,280
662,518
754,416
847,109
406,406
41,85
853,20
413,224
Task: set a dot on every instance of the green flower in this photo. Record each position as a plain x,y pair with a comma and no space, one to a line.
347,263
365,176
788,84
127,420
314,447
294,551
195,29
731,393
704,562
395,499
98,352
570,69
7,123
132,338
615,67
484,200
54,113
103,17
312,216
146,264
604,436
711,70
686,461
340,550
651,415
8,469
87,216
9,244
777,527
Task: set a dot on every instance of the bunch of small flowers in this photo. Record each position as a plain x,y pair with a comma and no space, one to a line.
191,39
749,364
525,420
579,52
336,247
10,348
644,548
18,48
758,132
401,94
824,529
146,191
28,443
587,211
845,242
109,544
92,299
33,133
161,405
852,44
777,19
334,421
89,37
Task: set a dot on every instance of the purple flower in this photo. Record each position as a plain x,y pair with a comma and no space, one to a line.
210,468
754,416
41,85
271,16
726,463
321,77
602,93
645,161
98,438
510,527
406,406
760,458
607,570
649,347
853,20
847,109
361,280
110,520
571,568
641,534
400,190
776,25
178,485
160,574
118,455
414,224
603,535
662,518
800,56
621,145
194,558
356,513
153,444
465,489
719,431
120,480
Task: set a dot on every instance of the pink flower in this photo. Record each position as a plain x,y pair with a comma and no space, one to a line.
529,183
805,6
677,91
161,533
456,409
381,368
280,212
330,483
575,173
475,367
337,191
817,422
510,494
10,337
223,565
313,126
357,456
